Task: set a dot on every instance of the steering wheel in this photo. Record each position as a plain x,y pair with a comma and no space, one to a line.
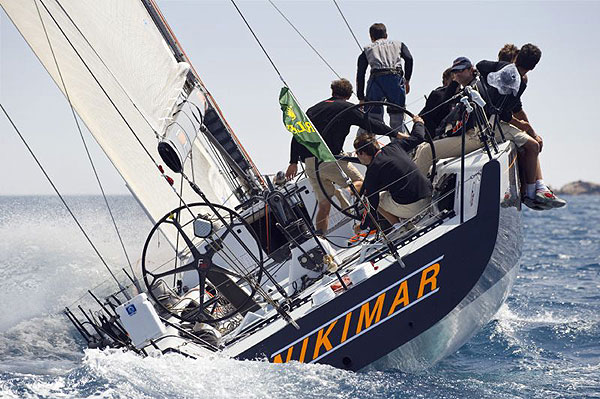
220,293
353,211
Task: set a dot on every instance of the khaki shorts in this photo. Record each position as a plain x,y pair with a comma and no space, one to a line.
403,211
329,174
511,133
448,147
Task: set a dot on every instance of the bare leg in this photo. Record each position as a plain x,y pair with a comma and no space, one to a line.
341,197
538,171
323,216
530,160
521,166
388,216
357,185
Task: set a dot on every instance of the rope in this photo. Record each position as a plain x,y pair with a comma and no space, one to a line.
83,141
64,202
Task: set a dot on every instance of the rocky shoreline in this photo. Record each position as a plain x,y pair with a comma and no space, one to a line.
579,188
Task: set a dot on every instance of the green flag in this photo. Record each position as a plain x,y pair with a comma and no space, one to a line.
301,127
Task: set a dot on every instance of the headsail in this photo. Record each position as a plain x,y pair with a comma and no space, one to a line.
122,78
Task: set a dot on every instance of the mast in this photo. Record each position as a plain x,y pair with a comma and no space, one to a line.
218,132
129,81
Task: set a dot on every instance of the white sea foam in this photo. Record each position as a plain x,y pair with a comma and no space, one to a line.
45,264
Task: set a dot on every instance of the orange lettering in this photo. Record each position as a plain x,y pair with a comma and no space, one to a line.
323,340
367,316
303,350
401,297
346,326
432,280
278,358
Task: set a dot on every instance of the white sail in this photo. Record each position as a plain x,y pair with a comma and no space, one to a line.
124,82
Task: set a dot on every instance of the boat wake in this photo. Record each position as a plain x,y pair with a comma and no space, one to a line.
530,349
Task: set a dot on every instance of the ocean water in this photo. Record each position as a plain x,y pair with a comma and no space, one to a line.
543,343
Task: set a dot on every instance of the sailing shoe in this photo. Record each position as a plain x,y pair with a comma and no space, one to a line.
534,204
548,198
361,236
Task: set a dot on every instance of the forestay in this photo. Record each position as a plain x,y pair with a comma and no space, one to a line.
124,82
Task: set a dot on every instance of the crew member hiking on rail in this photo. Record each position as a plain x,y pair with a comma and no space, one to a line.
320,115
502,85
393,184
388,80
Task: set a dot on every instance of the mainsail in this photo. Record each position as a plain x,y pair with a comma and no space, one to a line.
113,62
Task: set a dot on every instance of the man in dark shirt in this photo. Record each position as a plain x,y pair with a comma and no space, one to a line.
450,144
508,53
388,80
393,184
501,86
437,105
320,115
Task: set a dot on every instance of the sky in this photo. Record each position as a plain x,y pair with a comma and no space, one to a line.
560,100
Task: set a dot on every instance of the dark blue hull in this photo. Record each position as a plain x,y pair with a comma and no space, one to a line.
399,307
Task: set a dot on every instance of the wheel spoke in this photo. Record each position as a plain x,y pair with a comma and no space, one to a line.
219,269
202,288
187,240
233,298
180,269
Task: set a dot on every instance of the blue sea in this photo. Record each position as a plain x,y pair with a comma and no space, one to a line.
543,343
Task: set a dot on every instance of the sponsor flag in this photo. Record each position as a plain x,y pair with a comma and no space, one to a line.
302,128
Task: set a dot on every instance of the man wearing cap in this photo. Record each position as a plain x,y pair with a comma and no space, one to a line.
393,185
438,103
502,85
389,81
450,145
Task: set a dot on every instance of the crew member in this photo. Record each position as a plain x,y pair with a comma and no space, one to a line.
502,85
388,80
508,53
320,115
393,184
450,129
438,105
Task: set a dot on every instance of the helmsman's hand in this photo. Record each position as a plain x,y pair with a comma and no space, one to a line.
291,171
417,118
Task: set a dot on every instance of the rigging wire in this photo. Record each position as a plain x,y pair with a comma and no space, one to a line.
259,43
203,89
113,103
385,238
305,39
84,142
65,203
347,24
206,92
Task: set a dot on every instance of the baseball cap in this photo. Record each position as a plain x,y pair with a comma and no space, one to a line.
461,63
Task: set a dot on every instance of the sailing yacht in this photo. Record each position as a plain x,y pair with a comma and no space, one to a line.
233,264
